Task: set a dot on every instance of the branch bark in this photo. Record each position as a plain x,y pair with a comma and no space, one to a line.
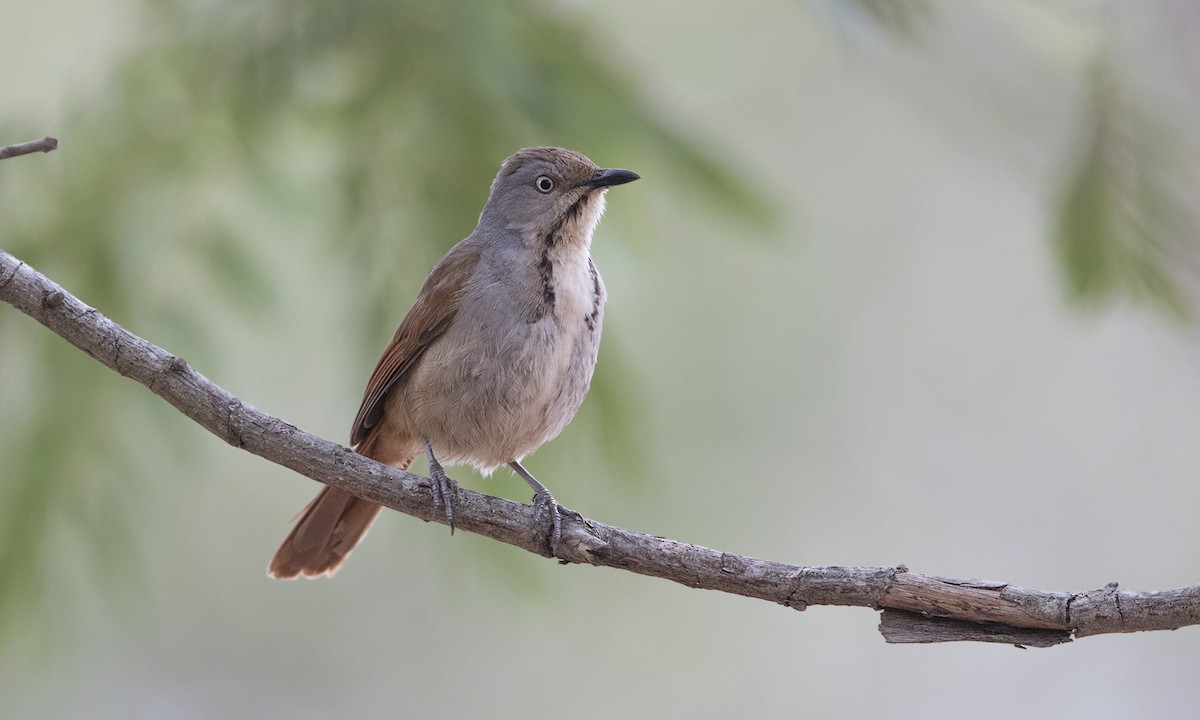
916,608
43,145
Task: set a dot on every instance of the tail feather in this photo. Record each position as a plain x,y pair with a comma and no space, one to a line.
328,529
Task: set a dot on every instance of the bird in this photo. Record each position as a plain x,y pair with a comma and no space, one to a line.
493,359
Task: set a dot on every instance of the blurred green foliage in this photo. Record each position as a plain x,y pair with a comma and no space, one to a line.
1122,228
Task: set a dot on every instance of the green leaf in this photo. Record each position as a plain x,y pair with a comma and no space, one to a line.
1120,229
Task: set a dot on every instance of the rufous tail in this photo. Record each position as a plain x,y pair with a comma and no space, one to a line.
328,529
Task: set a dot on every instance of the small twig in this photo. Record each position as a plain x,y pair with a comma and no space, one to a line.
920,608
45,145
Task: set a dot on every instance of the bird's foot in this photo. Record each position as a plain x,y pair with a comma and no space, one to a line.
544,503
444,491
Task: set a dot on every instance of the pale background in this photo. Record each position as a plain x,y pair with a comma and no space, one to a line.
892,370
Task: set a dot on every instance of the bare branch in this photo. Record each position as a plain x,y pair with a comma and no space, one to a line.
918,608
44,145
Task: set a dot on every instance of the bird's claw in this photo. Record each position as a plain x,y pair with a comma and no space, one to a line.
543,503
444,490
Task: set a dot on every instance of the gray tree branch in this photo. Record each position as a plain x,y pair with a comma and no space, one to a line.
916,608
43,145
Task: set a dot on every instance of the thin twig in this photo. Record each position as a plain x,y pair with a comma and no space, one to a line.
44,145
919,608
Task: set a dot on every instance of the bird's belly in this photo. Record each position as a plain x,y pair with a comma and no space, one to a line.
504,397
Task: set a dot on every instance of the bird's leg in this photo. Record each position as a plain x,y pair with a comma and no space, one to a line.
543,501
444,488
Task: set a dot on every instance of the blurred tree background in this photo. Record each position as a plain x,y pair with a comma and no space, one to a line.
905,282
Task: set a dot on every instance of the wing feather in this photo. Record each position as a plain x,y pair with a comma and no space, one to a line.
429,317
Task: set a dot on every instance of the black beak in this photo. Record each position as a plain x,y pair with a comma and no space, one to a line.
609,177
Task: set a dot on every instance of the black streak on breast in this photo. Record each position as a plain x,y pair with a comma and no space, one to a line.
546,265
591,318
546,271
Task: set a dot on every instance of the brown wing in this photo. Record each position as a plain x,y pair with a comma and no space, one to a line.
429,317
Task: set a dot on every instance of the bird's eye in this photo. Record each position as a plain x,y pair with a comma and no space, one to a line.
544,184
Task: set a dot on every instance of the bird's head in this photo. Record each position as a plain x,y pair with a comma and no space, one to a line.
551,193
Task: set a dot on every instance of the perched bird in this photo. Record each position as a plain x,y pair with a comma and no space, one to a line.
494,357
